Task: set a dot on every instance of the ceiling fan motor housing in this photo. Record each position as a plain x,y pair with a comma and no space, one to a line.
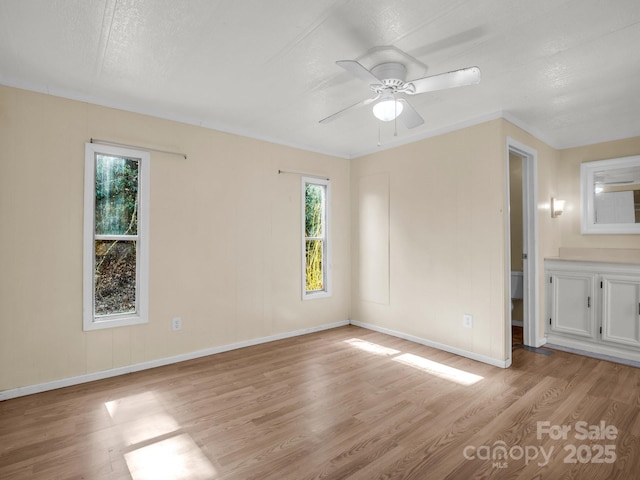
392,74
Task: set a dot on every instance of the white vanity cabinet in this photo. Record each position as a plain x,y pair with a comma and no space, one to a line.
594,307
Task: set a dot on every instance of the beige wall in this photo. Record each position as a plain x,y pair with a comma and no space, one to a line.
569,190
225,240
446,221
447,241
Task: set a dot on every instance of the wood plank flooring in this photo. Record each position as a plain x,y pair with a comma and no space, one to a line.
517,335
344,403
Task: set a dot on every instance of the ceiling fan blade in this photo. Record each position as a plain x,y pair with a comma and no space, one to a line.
457,78
409,116
338,114
357,70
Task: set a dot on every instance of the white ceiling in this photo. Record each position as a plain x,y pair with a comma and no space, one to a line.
567,71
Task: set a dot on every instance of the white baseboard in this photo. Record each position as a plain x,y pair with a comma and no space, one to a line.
540,342
599,351
90,377
440,346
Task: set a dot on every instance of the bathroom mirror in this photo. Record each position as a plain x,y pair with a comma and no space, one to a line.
610,191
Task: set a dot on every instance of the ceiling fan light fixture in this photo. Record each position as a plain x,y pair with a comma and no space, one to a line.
387,109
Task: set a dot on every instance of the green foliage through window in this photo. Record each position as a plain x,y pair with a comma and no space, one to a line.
116,213
116,196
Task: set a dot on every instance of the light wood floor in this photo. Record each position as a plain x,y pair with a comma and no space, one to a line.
344,403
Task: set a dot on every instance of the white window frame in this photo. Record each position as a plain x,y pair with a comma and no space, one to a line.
141,315
326,250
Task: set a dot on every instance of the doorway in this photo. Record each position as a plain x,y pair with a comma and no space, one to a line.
522,246
517,249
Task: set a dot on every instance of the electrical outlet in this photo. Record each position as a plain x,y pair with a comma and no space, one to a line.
176,324
467,320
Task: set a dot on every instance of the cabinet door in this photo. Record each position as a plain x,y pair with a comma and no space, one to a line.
572,309
621,309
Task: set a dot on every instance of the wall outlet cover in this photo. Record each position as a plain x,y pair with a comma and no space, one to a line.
176,324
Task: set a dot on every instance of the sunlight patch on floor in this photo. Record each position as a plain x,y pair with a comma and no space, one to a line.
438,369
371,347
157,450
429,366
141,417
132,405
172,459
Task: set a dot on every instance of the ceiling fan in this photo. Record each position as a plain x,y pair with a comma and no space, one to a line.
387,80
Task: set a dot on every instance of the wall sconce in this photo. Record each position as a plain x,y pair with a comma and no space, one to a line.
557,207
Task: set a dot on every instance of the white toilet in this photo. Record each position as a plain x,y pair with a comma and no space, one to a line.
516,286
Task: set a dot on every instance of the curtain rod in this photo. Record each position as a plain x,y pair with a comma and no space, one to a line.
303,174
116,144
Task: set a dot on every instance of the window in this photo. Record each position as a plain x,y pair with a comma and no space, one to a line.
315,245
116,226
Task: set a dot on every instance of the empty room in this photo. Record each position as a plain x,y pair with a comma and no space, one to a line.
329,239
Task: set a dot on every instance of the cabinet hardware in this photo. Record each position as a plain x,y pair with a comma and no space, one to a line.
549,321
588,302
600,284
600,330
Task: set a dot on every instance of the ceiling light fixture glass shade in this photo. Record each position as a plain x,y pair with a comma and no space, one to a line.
388,109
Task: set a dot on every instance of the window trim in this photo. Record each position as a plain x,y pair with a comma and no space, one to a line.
90,321
326,250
